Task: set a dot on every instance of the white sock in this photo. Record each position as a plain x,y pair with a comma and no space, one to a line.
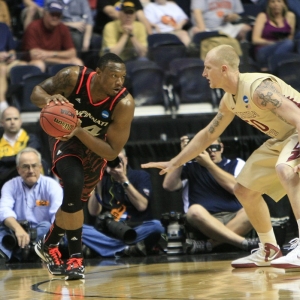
267,237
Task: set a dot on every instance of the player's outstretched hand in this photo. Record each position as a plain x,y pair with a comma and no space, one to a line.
165,166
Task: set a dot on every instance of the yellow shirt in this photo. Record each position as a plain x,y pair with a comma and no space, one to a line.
113,31
7,150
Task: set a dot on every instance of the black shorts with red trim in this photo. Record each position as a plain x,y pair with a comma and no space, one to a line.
93,165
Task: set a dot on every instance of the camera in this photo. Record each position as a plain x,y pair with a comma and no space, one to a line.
105,223
114,163
171,217
173,221
10,241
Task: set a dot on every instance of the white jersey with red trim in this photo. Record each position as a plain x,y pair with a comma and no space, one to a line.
266,121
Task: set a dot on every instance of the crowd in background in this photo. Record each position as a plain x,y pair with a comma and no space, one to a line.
44,33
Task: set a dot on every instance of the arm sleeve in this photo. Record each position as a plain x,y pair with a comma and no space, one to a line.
143,184
7,202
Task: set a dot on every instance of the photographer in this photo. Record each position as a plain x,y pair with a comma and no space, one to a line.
31,198
209,202
124,194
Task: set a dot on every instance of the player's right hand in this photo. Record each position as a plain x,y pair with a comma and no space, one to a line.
57,99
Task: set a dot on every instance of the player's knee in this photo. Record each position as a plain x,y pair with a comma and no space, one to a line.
286,174
244,194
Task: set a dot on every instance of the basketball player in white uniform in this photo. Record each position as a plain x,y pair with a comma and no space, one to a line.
269,104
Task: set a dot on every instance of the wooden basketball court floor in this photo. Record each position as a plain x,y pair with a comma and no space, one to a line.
202,276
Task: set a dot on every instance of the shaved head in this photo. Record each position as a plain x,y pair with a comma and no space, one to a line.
224,55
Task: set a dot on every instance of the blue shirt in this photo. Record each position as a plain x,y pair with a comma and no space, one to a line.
36,204
114,195
203,189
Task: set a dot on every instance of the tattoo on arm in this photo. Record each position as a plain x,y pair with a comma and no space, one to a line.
267,93
59,84
215,123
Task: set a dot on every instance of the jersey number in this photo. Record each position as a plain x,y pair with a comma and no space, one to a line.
262,127
93,129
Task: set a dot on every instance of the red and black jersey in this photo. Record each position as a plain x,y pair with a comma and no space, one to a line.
95,117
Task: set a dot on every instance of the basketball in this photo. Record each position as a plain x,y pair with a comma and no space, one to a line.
58,120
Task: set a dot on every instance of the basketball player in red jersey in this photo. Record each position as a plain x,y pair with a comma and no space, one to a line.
272,106
105,109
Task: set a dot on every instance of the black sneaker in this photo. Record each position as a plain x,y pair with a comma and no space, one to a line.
75,268
51,256
193,247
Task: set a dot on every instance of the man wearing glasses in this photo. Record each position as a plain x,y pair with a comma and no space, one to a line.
27,207
209,203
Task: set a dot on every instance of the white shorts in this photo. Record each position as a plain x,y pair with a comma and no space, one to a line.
259,172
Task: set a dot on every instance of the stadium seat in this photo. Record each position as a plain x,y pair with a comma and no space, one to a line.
146,84
190,87
53,69
17,76
164,47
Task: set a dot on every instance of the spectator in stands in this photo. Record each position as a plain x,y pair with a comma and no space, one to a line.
126,194
48,40
77,15
211,15
109,10
4,14
33,10
273,32
14,139
29,197
8,59
294,6
209,202
125,37
168,17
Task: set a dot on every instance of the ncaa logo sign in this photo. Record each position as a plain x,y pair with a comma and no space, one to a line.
105,114
245,99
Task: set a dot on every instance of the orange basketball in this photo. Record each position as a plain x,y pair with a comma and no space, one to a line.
58,120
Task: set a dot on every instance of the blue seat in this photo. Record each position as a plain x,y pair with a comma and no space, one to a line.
164,47
189,85
146,82
29,83
18,75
